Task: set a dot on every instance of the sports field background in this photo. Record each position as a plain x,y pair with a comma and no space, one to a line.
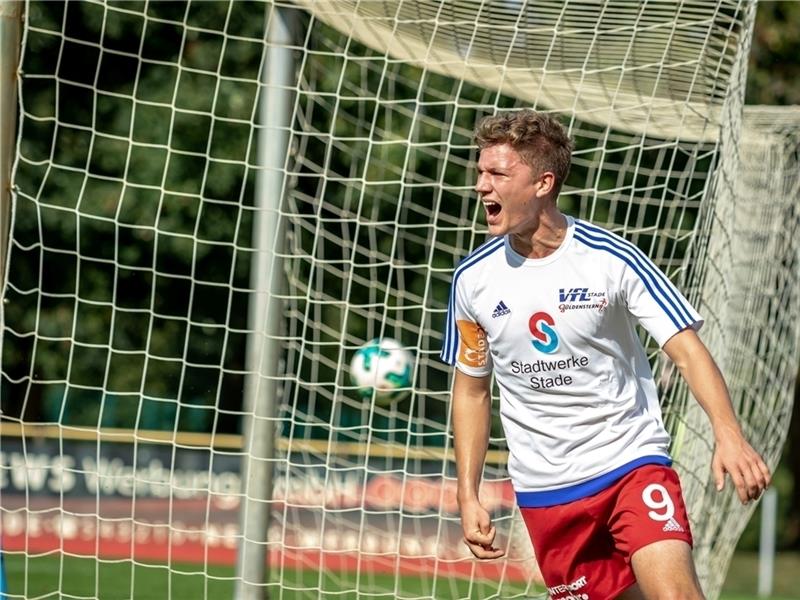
84,577
111,580
772,79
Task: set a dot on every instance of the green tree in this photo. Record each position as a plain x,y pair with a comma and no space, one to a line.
774,71
132,222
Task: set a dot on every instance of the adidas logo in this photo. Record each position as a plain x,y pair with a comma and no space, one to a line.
672,525
500,310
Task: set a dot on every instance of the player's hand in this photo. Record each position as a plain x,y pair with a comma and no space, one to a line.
479,532
736,457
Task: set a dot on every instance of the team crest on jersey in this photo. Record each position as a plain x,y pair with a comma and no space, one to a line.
581,298
542,327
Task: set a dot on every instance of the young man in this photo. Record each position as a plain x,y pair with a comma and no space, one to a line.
550,304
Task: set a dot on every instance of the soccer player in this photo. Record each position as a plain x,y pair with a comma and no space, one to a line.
550,305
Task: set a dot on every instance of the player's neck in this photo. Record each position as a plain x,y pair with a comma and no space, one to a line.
544,238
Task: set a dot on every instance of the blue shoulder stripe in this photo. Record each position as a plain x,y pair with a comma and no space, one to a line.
450,343
646,263
654,280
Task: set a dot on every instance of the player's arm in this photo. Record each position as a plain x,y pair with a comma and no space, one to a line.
732,453
471,404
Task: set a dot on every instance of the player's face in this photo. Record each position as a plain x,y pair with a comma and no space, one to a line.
511,195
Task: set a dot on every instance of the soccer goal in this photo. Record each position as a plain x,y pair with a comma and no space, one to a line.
214,204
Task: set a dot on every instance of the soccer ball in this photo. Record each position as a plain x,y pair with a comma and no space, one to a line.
383,367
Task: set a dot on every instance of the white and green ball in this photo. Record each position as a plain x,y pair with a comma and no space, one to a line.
384,368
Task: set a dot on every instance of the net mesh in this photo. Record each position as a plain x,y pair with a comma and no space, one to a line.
135,231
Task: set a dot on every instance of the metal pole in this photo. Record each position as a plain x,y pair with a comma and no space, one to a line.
264,316
10,12
766,542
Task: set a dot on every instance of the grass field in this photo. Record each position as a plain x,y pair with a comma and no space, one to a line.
86,578
742,580
117,580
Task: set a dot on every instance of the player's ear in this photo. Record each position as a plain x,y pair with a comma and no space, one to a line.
547,183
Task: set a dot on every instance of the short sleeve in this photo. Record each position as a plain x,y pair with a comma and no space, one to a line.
655,302
465,343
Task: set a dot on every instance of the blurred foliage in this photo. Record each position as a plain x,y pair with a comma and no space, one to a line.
774,69
134,212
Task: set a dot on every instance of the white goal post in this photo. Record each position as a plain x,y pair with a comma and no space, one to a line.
214,204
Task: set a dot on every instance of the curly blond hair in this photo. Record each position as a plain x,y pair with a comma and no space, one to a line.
539,138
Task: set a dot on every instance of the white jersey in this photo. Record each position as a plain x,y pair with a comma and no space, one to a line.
577,398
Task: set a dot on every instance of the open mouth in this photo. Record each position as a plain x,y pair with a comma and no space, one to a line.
492,208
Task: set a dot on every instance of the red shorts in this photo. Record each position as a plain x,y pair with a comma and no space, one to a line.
584,548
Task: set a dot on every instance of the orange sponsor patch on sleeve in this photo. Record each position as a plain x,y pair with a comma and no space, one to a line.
474,347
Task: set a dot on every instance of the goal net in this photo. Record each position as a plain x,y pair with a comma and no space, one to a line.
216,203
